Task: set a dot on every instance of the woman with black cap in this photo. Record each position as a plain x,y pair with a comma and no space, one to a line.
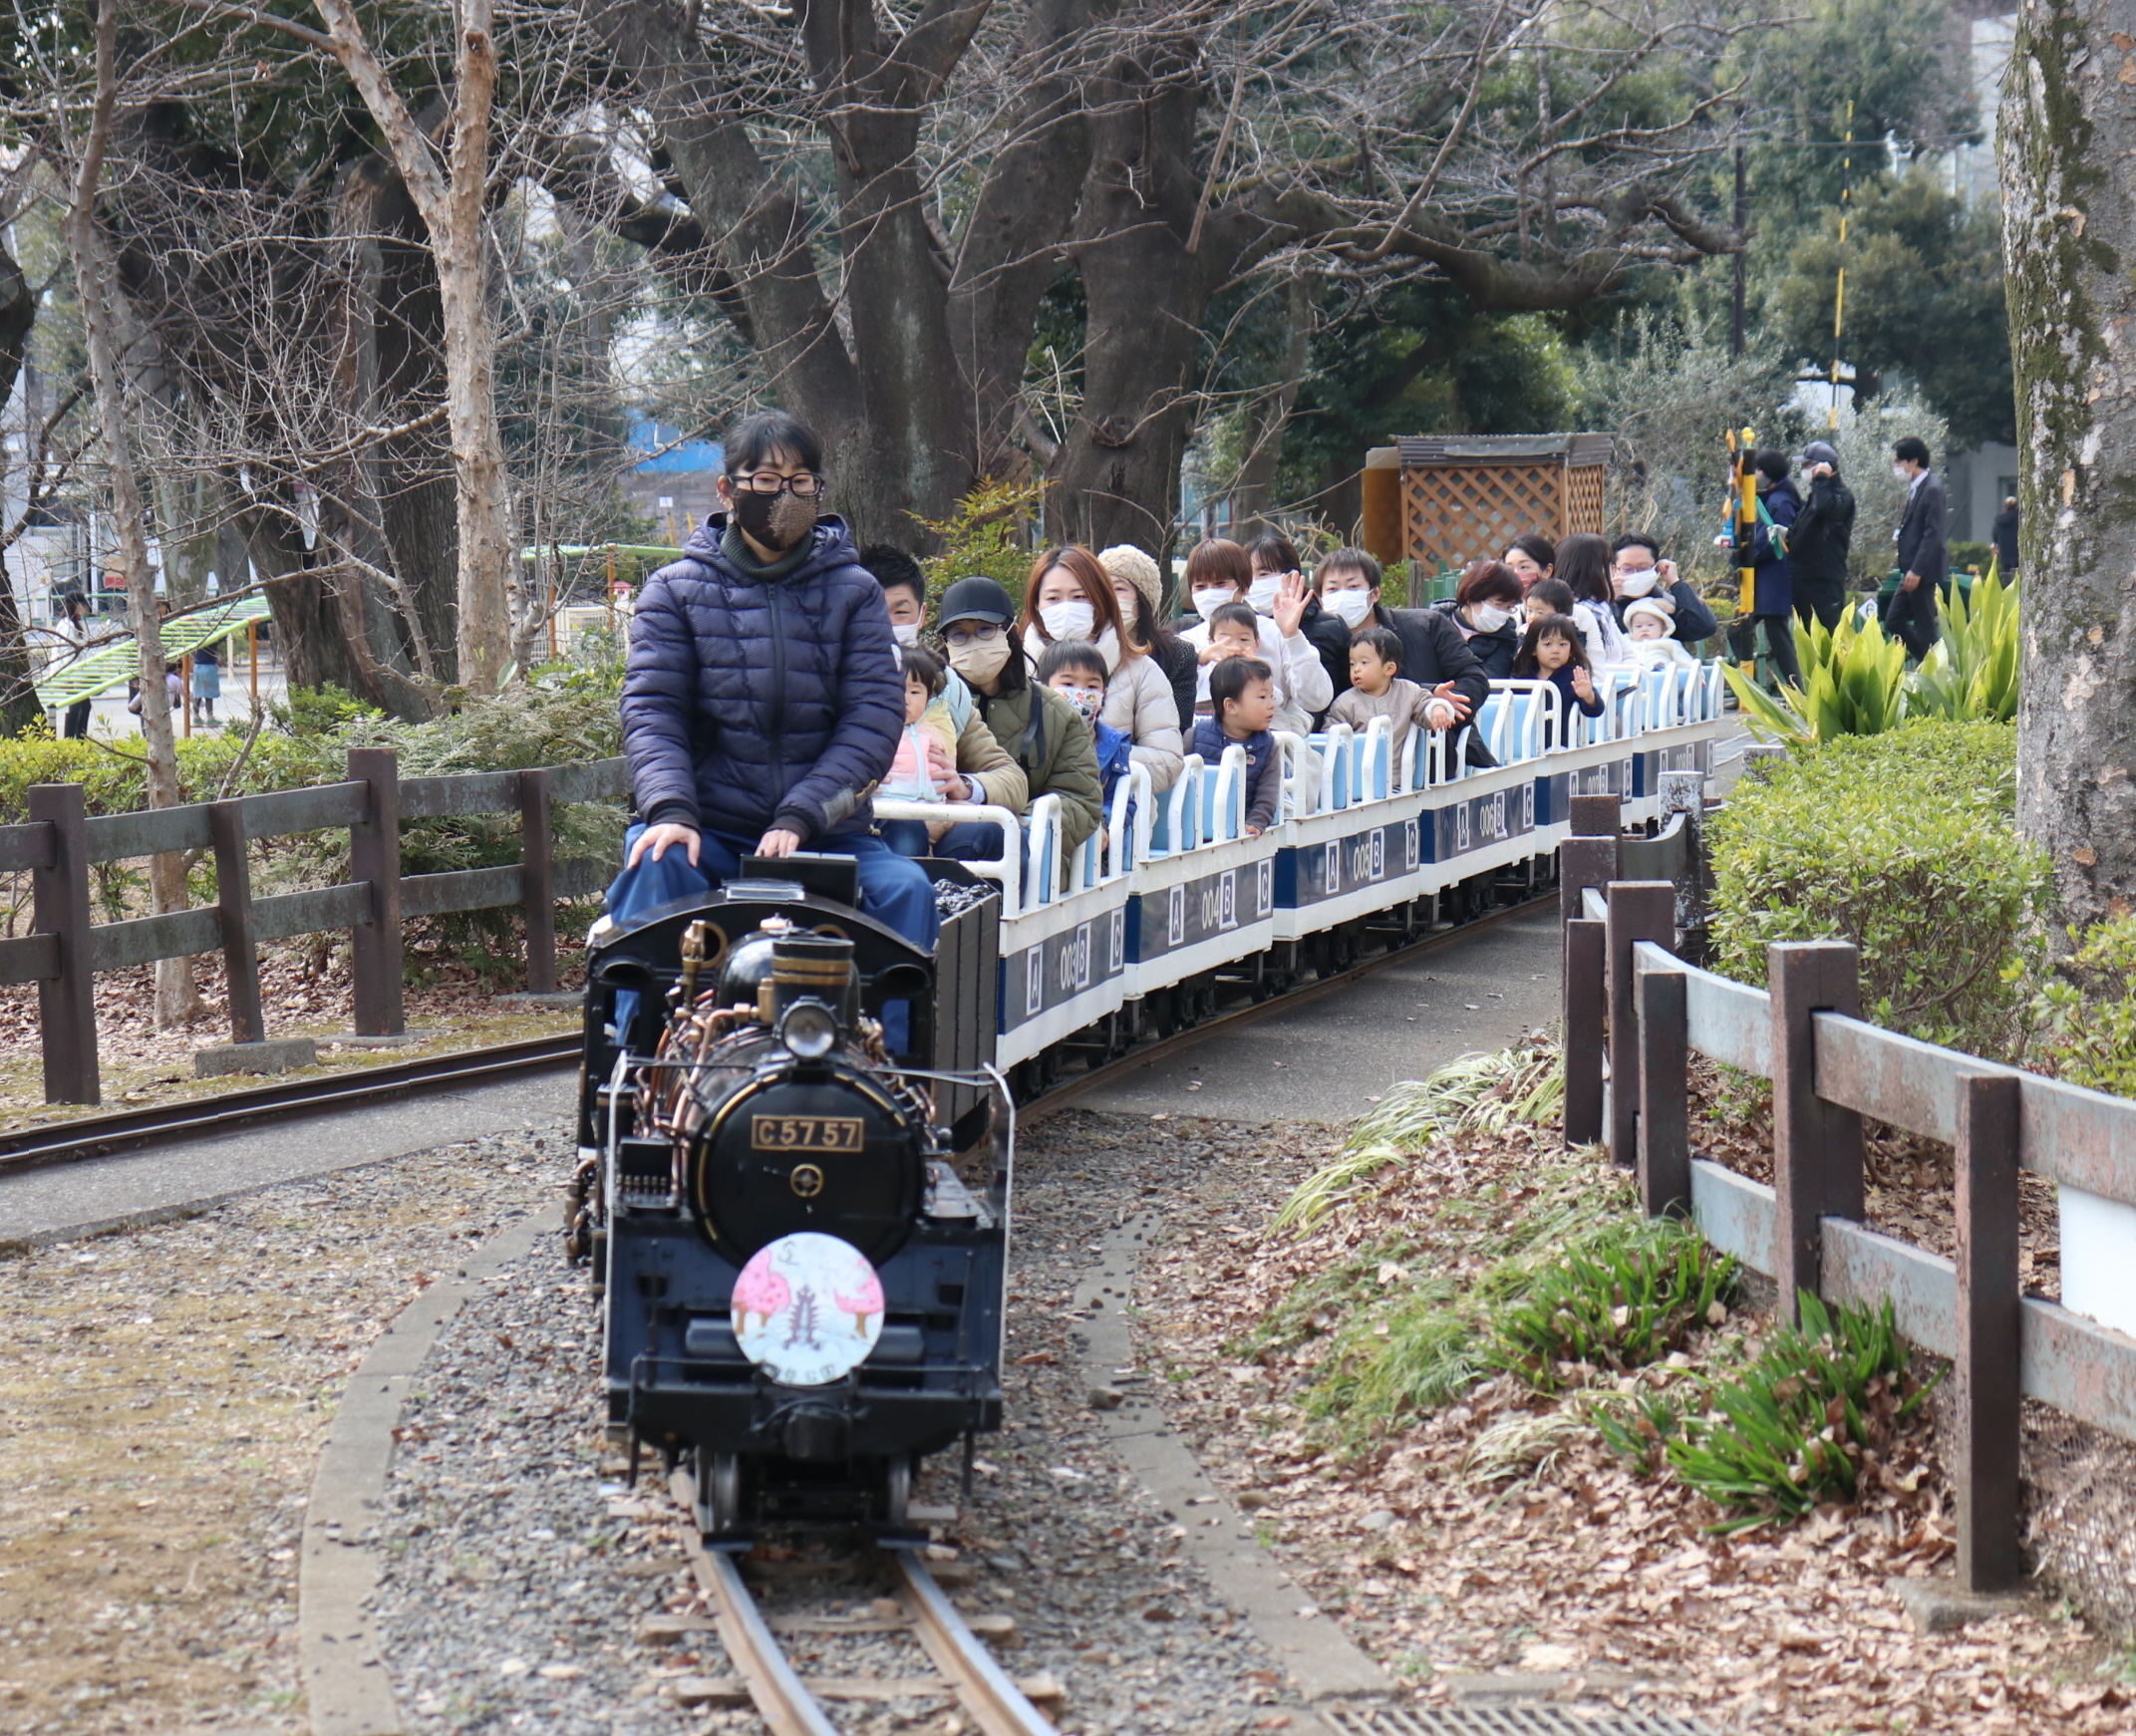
1043,733
1820,537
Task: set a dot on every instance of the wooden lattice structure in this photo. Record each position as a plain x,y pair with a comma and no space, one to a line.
1465,498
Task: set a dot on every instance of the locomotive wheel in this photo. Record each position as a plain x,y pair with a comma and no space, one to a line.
718,1491
897,1493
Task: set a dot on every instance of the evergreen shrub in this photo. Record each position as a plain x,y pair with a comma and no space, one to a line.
1906,844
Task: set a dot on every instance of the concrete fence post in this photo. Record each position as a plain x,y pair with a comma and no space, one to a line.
1989,1400
1817,1146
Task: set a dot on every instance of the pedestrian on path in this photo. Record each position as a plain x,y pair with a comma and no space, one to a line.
74,631
1821,537
1923,552
2006,536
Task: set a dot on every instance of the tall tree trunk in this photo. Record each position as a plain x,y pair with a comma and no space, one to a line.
453,204
178,998
1149,269
18,692
2067,140
393,347
1010,251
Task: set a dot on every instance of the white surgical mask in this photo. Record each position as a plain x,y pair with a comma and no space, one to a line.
1073,619
1351,606
1490,617
1206,603
1902,473
1261,593
1637,584
906,632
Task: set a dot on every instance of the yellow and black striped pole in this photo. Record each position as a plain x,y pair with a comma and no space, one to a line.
1839,291
1746,524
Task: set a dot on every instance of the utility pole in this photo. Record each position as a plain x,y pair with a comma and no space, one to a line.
1742,223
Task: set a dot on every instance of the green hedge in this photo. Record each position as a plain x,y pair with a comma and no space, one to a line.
1906,844
567,715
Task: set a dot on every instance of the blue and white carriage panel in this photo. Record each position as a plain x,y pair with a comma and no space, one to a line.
1172,888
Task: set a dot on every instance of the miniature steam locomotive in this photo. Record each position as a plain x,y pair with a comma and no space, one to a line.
801,1293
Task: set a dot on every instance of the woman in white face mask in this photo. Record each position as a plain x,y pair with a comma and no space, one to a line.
1070,601
1220,572
1486,604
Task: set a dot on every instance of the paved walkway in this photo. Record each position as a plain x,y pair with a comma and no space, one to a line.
144,1187
1327,1060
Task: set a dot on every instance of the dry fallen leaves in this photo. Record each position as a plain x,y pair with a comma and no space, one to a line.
1570,1558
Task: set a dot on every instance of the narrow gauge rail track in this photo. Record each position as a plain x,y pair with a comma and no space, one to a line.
90,1136
104,1135
780,1695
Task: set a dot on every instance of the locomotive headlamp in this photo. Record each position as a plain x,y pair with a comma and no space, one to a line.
809,1031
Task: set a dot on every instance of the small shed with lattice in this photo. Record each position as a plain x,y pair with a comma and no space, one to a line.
1443,500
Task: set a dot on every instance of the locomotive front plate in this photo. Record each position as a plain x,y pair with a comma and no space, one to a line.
807,1133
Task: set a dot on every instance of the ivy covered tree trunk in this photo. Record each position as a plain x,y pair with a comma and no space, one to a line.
2067,142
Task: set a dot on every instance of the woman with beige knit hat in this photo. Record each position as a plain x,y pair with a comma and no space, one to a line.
1140,586
1072,597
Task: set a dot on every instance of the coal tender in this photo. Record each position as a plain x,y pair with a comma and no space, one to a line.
802,1279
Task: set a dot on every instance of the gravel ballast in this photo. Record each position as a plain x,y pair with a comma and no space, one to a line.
162,1397
517,1569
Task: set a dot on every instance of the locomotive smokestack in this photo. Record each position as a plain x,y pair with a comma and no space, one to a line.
812,968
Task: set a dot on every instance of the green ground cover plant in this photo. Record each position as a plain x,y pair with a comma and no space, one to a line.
1561,1271
1812,1418
1906,844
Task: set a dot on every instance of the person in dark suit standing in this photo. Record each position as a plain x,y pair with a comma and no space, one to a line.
1923,552
2006,536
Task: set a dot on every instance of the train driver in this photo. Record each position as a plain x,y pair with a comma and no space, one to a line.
763,694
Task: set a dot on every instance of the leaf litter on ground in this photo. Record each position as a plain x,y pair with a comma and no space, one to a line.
1458,1520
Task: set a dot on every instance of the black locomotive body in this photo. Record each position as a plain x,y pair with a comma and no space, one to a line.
757,1078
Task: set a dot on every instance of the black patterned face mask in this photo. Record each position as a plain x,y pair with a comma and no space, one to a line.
775,520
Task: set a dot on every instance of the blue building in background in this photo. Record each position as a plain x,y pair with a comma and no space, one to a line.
673,485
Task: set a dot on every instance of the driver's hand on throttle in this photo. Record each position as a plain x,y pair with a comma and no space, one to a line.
657,841
779,842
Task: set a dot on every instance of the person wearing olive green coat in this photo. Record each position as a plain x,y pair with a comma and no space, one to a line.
1041,730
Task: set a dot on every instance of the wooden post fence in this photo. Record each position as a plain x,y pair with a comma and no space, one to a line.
374,862
1817,1145
59,900
65,949
1640,910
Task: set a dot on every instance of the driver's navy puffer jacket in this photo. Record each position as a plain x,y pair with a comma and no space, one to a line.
749,703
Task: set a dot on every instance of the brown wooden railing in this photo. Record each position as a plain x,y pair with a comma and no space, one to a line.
65,949
1627,1087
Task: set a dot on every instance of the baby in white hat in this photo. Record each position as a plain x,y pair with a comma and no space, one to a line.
1649,628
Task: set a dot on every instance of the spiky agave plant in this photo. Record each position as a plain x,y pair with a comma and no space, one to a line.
1854,683
1971,674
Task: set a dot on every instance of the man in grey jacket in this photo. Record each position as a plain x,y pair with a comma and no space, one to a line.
1923,553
